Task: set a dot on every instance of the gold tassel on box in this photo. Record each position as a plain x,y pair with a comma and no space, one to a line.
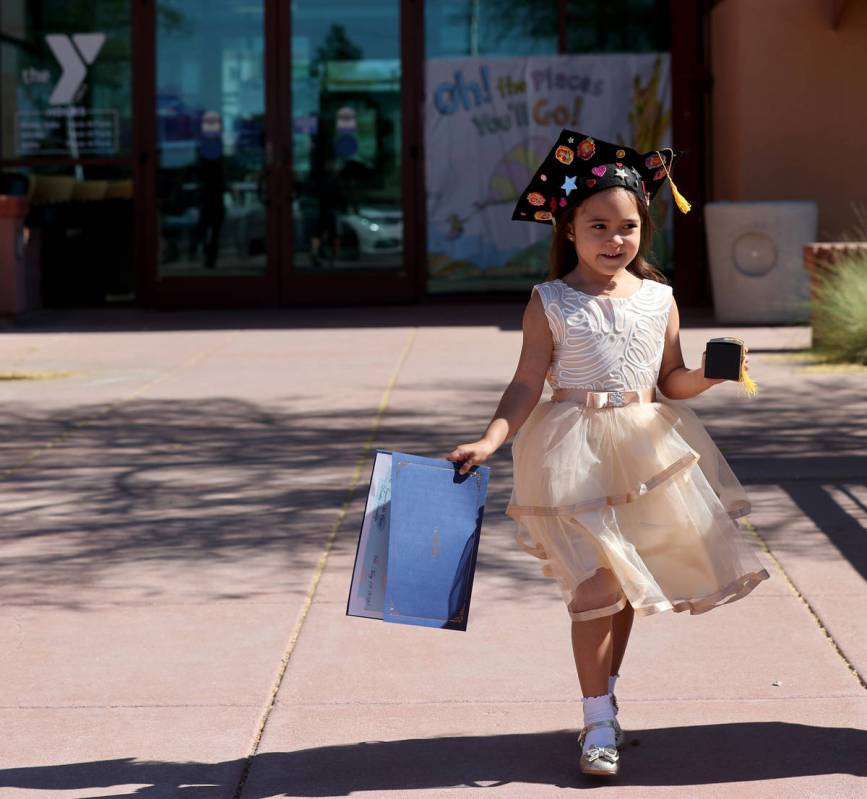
679,200
750,385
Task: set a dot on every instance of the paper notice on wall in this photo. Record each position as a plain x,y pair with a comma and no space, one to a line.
67,131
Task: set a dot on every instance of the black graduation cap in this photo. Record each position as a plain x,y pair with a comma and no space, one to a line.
579,165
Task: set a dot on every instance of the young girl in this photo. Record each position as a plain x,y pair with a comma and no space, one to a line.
621,493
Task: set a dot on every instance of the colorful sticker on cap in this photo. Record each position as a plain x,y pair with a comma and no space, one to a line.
534,198
659,174
562,202
543,178
587,149
590,183
599,171
565,155
620,154
653,161
542,216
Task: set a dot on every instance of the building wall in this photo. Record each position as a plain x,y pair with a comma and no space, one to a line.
789,105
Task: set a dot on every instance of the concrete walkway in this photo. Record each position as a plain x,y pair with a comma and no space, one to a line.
179,521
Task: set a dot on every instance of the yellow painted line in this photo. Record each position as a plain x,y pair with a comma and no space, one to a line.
361,467
35,375
78,425
794,589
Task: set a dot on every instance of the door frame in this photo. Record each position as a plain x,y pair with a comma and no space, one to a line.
207,290
369,286
280,284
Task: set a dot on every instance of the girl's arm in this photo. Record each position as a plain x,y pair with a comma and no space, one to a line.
525,389
675,380
522,393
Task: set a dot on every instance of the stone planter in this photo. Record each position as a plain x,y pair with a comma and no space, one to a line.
755,251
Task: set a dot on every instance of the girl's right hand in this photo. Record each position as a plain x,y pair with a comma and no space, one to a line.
471,454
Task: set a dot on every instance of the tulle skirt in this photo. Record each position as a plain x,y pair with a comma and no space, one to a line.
630,504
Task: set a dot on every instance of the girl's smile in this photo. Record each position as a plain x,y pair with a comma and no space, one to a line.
606,230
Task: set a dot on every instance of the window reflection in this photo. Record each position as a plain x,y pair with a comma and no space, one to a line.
346,135
210,136
491,27
629,26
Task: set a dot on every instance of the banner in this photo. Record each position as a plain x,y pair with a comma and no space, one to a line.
489,122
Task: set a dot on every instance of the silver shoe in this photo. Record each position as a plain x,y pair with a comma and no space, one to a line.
598,761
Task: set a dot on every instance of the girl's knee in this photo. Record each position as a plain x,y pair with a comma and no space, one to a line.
600,592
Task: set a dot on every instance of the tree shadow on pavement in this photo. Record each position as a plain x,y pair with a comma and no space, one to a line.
677,756
209,481
189,488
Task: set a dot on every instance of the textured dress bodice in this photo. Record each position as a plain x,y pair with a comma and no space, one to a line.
605,343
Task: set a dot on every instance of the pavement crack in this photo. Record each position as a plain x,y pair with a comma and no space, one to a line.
812,611
361,466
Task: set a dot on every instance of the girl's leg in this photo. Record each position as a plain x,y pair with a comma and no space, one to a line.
621,626
591,646
592,649
592,640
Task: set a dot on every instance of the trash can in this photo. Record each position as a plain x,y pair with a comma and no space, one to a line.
15,296
755,250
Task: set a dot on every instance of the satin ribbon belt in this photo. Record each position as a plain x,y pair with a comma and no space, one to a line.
604,399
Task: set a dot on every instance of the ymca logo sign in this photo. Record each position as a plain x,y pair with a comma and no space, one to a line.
74,54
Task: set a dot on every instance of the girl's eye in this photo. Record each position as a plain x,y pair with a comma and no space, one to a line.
599,226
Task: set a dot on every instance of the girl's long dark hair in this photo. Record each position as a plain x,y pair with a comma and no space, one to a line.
563,259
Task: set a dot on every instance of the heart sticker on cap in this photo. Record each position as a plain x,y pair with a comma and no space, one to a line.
599,171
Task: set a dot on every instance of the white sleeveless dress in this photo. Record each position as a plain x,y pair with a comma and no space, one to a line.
625,504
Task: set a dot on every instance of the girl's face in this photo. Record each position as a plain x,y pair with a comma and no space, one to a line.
606,230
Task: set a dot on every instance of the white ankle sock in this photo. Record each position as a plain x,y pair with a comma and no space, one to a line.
598,708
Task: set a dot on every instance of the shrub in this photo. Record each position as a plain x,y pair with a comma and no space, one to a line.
839,311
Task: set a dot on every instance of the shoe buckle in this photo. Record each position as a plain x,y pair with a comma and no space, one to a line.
601,753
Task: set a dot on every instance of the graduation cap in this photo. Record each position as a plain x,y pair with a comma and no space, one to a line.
579,165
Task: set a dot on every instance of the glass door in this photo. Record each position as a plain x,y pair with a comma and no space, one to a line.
282,174
352,234
212,230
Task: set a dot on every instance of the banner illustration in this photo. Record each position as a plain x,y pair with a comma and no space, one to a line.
489,122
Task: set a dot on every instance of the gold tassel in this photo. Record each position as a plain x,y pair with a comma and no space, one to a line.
679,200
750,385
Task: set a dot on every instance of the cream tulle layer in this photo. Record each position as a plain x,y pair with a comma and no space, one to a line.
640,492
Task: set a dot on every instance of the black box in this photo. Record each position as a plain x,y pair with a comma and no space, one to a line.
723,358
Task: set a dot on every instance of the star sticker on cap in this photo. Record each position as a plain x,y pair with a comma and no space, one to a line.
621,173
571,140
569,184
